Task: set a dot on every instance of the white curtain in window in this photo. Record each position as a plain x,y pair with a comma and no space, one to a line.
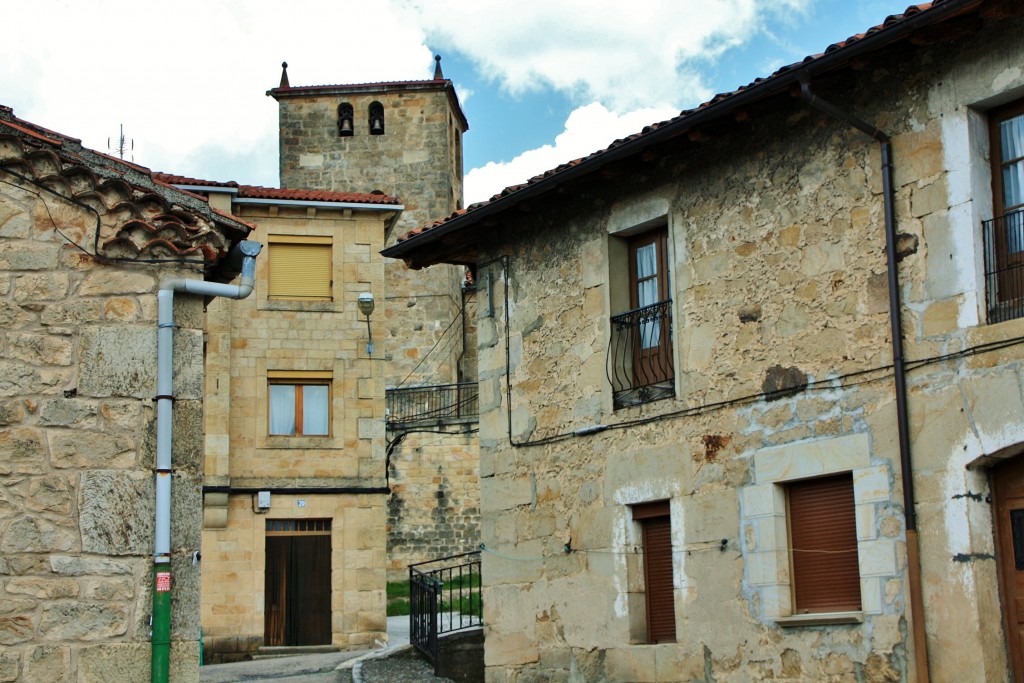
647,292
282,409
315,410
1011,135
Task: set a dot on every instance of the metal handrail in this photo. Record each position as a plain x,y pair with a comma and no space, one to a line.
1003,238
432,403
640,365
445,596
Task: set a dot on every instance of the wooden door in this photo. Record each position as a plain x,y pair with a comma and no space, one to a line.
1008,489
297,589
649,285
656,527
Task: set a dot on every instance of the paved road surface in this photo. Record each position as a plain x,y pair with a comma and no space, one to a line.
308,668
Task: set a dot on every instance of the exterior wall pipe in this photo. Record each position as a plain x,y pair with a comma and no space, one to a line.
900,379
246,251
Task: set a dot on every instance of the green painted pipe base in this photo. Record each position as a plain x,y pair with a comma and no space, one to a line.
161,663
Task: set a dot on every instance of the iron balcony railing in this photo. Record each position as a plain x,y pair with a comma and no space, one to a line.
445,596
432,403
640,365
1003,239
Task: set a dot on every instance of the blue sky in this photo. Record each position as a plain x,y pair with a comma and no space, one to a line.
541,81
503,125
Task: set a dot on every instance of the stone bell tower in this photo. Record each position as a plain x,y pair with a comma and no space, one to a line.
404,139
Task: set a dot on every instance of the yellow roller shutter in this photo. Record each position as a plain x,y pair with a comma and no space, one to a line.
300,270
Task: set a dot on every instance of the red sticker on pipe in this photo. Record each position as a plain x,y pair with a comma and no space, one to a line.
163,582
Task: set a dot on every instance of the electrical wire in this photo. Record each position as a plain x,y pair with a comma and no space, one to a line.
638,551
427,354
837,382
191,263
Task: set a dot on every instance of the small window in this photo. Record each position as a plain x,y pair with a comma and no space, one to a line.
641,365
299,406
346,117
656,531
823,545
1004,234
376,118
300,268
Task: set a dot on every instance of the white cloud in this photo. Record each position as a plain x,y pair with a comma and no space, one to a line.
643,53
188,81
588,129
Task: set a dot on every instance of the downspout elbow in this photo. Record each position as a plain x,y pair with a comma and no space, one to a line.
244,254
241,259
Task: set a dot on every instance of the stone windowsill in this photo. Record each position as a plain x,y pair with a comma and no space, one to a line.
820,619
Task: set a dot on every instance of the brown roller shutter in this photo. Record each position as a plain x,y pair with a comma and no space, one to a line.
300,270
823,541
657,539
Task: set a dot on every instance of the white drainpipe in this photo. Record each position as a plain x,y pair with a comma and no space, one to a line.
247,250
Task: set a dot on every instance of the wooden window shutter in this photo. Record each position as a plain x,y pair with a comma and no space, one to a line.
823,544
657,539
300,270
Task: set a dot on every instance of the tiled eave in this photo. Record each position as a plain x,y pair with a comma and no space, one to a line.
153,221
256,194
453,240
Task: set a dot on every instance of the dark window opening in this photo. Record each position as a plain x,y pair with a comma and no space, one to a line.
346,117
376,118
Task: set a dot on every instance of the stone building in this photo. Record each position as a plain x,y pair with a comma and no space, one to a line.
704,453
88,244
295,483
361,501
405,139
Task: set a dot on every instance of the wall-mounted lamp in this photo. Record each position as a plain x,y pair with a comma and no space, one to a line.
365,302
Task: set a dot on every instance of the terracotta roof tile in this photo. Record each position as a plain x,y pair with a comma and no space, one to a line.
257,192
163,222
172,179
719,101
284,194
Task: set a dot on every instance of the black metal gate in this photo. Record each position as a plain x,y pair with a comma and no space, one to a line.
444,597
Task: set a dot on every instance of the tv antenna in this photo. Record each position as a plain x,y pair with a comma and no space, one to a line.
122,145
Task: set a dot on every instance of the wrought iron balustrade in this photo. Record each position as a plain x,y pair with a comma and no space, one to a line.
640,364
1003,239
432,403
445,596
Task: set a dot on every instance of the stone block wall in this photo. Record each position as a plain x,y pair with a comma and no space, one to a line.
234,558
425,327
417,159
77,443
778,270
247,341
433,511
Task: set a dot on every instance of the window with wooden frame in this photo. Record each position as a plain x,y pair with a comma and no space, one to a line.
659,596
1004,234
300,268
823,545
299,403
641,364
